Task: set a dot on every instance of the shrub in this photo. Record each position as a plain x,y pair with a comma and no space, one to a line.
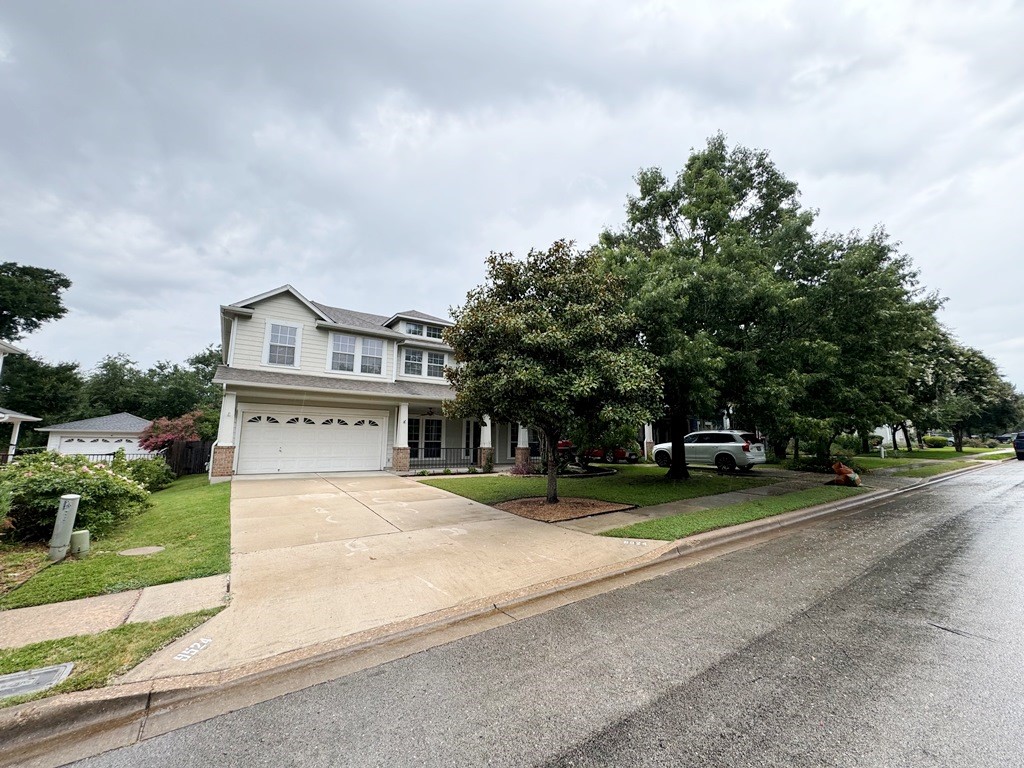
446,471
37,482
472,469
152,473
934,441
849,443
521,469
974,442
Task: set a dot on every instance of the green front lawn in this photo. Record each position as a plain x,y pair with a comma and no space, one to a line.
690,523
640,484
875,462
189,519
97,658
943,454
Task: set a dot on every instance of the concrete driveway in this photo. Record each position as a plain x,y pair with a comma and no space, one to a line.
321,557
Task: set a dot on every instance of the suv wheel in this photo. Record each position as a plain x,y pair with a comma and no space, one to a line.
663,459
725,462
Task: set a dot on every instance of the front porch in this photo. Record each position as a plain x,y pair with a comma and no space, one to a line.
426,440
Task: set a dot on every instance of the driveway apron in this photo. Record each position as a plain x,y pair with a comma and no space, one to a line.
317,558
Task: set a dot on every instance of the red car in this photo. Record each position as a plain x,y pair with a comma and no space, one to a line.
614,455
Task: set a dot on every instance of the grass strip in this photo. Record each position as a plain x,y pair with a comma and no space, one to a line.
190,519
641,485
939,469
690,523
98,658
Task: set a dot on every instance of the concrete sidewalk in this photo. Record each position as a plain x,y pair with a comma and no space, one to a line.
22,626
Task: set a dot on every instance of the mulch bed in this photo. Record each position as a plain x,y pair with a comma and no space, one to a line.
537,508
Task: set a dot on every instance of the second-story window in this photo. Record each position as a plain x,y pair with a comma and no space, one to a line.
282,344
434,331
343,352
352,354
413,362
416,329
435,364
373,356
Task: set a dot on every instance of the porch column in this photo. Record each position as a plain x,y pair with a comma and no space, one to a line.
15,429
226,428
400,453
222,461
523,447
648,440
486,451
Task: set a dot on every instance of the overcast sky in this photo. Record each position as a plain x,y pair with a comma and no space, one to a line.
169,157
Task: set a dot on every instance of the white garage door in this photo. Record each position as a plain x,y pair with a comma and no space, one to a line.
300,440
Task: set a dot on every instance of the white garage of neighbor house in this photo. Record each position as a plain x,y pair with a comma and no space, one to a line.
99,436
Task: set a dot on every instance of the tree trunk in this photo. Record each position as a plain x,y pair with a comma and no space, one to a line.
906,436
865,446
678,428
796,448
895,445
780,447
958,439
552,438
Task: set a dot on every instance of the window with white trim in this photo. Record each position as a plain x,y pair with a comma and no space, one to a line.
413,362
282,344
434,331
372,359
349,354
435,364
343,352
414,329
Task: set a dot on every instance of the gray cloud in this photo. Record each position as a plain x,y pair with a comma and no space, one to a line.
170,157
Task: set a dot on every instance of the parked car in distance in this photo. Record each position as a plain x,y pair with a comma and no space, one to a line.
727,449
608,455
1018,446
613,455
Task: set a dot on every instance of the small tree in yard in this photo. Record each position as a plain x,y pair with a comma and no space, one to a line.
197,425
547,341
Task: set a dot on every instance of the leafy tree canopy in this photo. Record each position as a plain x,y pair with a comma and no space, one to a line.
548,341
29,297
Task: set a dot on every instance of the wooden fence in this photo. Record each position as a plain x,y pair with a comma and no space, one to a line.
188,458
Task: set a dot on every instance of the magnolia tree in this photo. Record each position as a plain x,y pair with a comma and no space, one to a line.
548,341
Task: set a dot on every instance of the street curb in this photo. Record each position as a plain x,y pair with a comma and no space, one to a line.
54,731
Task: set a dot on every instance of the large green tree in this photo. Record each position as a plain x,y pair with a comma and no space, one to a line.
29,297
708,257
51,392
549,341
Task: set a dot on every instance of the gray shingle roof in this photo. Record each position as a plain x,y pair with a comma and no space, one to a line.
421,316
115,422
358,320
397,389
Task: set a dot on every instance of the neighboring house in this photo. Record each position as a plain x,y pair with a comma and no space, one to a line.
7,416
98,436
314,388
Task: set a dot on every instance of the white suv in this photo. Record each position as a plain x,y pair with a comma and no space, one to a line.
727,449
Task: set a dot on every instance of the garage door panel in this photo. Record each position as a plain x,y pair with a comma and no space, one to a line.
321,441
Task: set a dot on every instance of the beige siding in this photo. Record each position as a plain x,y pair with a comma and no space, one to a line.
251,336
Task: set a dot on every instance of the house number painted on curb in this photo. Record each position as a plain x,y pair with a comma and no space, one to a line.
193,649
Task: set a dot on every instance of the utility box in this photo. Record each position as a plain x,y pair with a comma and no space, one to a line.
79,542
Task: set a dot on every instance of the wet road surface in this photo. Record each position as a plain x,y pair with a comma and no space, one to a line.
890,636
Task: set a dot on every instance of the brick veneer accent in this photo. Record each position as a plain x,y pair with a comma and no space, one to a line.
399,459
222,461
523,456
486,456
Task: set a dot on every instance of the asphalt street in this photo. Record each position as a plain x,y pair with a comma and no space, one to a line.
890,636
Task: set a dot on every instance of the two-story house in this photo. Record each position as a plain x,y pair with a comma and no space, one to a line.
314,388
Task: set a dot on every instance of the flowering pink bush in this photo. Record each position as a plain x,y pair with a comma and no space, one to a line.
34,483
